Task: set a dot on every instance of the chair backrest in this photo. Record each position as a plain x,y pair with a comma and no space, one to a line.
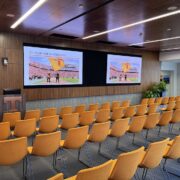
119,127
125,103
172,98
101,172
158,100
165,118
165,100
76,137
33,114
151,101
87,118
171,105
137,123
58,176
177,98
103,115
118,113
177,106
80,108
12,151
70,120
115,105
141,109
176,116
25,128
152,108
11,118
99,132
126,165
5,131
49,124
152,120
174,150
93,107
130,111
154,154
49,112
46,144
144,101
65,110
105,105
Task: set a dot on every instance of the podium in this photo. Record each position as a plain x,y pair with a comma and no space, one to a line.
12,103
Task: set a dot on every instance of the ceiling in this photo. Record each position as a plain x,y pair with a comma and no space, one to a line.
79,18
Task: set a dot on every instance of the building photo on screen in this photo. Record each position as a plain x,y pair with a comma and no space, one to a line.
123,69
48,66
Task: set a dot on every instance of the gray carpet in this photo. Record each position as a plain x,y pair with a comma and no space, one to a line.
69,164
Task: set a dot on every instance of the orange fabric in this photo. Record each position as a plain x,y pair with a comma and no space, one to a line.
144,101
165,100
103,115
165,118
152,108
130,111
87,117
105,105
70,120
125,103
151,101
80,109
33,114
158,100
115,105
117,113
5,131
141,110
13,151
93,107
151,121
11,118
49,112
65,110
177,106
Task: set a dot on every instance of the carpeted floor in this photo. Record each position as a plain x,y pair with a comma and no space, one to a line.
69,164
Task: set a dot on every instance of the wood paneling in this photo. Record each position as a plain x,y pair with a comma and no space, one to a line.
12,75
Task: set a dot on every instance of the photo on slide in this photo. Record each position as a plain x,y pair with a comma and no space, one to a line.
123,69
45,66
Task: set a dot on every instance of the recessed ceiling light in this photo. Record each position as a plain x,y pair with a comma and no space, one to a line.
172,8
154,41
169,29
134,24
10,15
96,31
28,13
169,49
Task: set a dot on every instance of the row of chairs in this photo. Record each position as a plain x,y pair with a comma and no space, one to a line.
14,150
160,100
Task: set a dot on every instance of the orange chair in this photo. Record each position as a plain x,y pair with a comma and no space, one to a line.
93,107
177,98
87,118
141,109
58,176
13,151
12,118
144,101
33,114
69,121
117,113
126,165
151,122
65,110
49,112
172,98
152,108
170,106
48,124
118,129
103,115
125,103
105,105
164,120
177,106
175,119
151,101
158,100
153,156
80,109
165,100
115,105
5,131
130,112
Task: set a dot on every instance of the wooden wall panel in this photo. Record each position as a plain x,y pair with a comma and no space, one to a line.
12,75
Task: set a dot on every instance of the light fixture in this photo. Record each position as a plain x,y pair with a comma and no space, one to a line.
5,61
28,13
10,15
96,31
168,29
154,41
172,8
134,24
170,49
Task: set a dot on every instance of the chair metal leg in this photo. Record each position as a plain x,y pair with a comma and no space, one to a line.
144,173
159,130
133,138
147,131
55,161
99,149
117,144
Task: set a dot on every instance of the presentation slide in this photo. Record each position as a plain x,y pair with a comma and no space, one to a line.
49,67
123,69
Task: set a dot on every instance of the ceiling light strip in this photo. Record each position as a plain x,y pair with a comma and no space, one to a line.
28,13
170,49
154,41
134,24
